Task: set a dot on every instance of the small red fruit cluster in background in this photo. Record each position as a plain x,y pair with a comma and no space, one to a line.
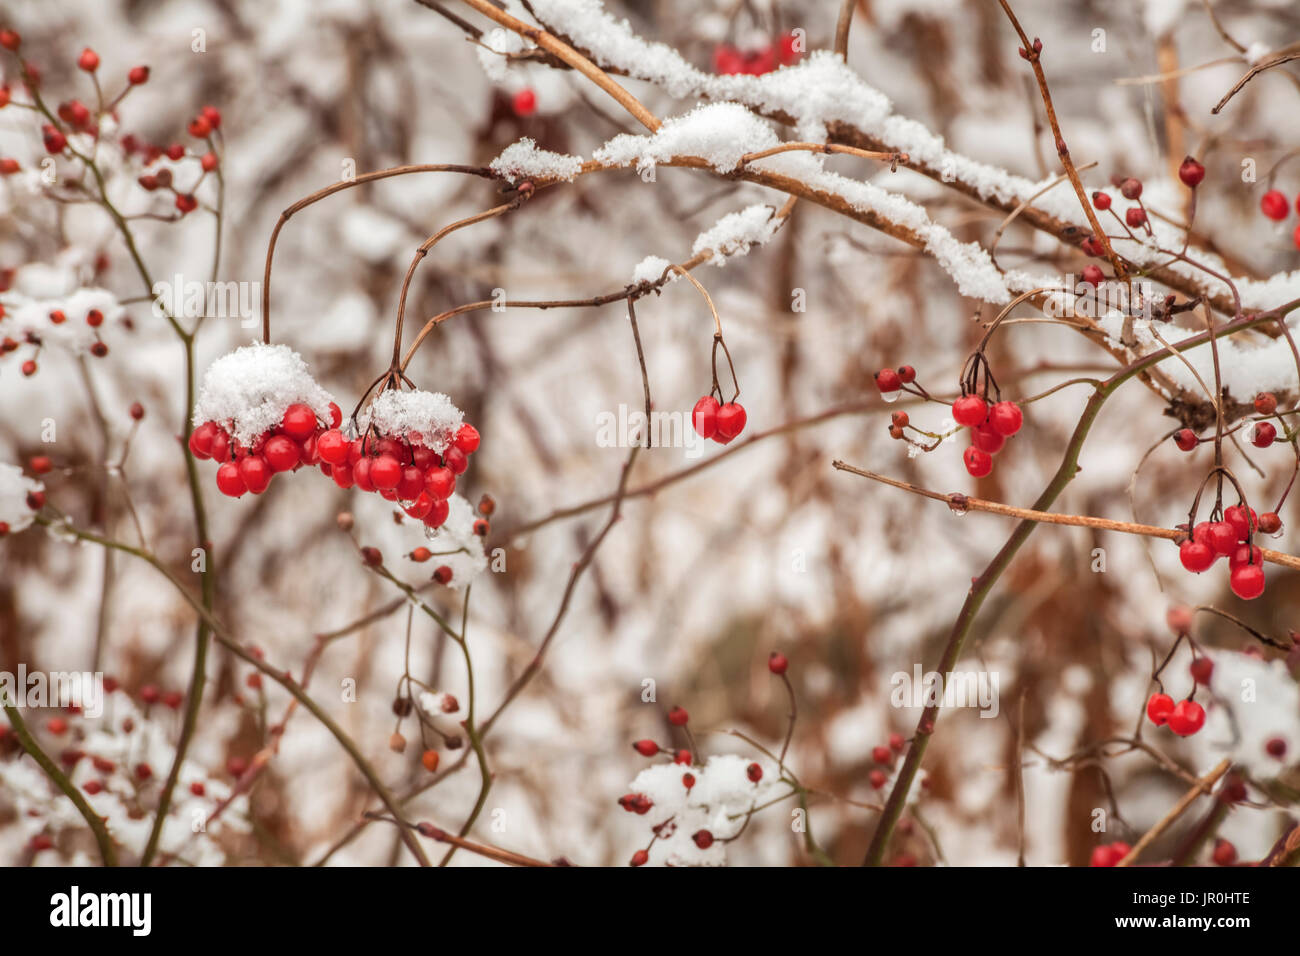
1230,537
990,424
1277,207
729,60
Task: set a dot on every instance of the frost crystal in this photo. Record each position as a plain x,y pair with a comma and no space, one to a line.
430,415
248,390
14,489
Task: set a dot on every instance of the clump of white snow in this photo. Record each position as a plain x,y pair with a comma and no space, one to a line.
524,159
718,800
493,50
14,489
248,390
651,269
735,232
424,418
1253,702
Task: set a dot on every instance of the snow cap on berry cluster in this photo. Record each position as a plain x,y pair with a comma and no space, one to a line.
14,489
248,390
722,790
456,544
431,415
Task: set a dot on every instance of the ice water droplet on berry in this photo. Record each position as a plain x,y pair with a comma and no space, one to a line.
890,397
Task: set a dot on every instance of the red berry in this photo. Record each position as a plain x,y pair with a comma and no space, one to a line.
212,115
777,662
1187,718
229,480
986,439
1245,554
1223,538
640,858
887,380
1159,707
89,60
678,717
1247,581
970,410
1270,522
372,557
332,446
1135,216
385,472
98,349
688,780
299,421
524,103
173,699
978,462
92,787
1092,275
646,748
256,473
440,483
881,754
1006,418
185,202
877,779
198,789
138,75
1275,747
1242,519
41,464
906,374
1195,556
731,420
897,743
430,760
1101,200
437,514
1130,188
57,726
728,60
754,772
442,574
1265,403
281,453
1186,439
1092,246
208,161
136,411
1265,434
29,368
1191,172
467,439
55,142
200,128
174,152
682,757
10,40
455,459
420,555
1225,854
1274,205
143,771
703,839
704,417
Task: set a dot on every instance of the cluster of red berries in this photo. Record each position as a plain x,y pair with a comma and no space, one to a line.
1230,537
1275,206
1109,854
1184,718
885,757
722,423
1262,433
94,318
990,424
1135,217
728,60
76,117
405,471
